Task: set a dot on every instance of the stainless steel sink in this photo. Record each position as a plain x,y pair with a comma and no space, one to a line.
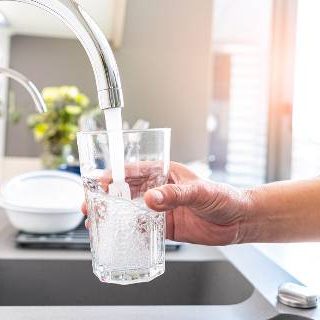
236,282
71,283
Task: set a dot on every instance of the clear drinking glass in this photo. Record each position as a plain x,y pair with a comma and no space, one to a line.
127,238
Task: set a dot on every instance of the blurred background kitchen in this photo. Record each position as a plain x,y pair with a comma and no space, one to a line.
234,80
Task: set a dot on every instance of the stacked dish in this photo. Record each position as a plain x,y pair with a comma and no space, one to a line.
43,201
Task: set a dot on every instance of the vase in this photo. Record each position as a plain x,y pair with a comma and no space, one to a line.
55,156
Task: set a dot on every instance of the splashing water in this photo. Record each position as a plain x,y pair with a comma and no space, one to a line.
119,187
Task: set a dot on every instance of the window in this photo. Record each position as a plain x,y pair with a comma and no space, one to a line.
239,106
306,105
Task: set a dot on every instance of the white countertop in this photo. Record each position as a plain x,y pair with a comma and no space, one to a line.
12,166
301,260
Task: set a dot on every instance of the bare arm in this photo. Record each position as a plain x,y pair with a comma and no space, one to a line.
278,212
284,212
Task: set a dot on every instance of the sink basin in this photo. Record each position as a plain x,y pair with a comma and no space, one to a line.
71,283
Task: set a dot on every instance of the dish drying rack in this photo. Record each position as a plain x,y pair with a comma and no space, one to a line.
77,239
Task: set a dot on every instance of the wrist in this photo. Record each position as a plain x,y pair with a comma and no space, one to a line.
249,226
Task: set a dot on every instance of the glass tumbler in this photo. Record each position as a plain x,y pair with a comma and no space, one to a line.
127,238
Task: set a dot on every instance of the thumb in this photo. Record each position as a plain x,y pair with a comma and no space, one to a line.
171,196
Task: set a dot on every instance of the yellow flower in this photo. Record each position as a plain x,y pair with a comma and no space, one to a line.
70,92
83,100
40,130
50,94
73,109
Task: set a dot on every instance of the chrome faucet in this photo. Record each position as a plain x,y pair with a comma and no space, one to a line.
32,89
94,42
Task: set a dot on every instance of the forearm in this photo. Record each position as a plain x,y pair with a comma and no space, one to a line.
283,212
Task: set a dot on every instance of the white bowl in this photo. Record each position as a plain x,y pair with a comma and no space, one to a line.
43,202
42,222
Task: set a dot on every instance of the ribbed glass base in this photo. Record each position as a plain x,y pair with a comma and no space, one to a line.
130,276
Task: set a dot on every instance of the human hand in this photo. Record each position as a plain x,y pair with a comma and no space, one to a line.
200,211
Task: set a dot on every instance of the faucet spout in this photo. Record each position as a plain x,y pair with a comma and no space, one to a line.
32,89
94,42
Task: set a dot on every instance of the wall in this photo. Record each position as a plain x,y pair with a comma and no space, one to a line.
164,62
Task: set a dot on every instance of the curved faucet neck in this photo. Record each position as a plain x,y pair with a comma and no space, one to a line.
94,42
31,88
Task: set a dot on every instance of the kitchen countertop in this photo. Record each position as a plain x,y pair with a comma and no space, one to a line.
13,166
301,260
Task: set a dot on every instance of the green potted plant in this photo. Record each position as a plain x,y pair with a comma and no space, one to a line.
57,128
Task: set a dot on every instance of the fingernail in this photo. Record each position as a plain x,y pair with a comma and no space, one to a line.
158,196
